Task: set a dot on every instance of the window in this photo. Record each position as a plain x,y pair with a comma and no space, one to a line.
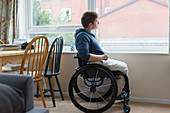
66,14
126,26
134,25
106,9
68,38
53,18
43,0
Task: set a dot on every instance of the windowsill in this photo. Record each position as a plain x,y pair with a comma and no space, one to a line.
136,45
132,46
70,52
136,52
125,52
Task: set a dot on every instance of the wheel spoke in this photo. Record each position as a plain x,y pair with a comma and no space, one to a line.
84,97
90,100
82,86
102,97
101,80
103,92
96,78
104,86
96,100
83,91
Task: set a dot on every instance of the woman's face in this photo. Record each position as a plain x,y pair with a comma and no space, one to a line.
95,24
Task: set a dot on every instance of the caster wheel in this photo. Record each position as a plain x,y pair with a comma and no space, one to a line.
126,108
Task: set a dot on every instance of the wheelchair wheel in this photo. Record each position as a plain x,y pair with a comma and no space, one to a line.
93,89
108,90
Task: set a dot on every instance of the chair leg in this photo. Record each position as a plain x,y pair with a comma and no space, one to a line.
59,87
37,95
41,94
51,90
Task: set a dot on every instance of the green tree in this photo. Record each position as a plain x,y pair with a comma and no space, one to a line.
42,17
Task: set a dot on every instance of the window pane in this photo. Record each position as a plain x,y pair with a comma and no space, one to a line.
132,25
67,37
57,12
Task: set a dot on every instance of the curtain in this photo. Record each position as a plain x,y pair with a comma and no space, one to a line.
9,20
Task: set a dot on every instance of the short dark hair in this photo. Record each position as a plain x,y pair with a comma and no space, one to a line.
88,17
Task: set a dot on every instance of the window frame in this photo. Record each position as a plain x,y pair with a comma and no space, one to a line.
28,29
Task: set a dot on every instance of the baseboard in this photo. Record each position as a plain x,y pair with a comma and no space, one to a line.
64,94
137,99
150,100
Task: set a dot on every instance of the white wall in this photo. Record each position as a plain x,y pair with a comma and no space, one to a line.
149,75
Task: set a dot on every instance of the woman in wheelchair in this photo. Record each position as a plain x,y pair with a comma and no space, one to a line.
98,81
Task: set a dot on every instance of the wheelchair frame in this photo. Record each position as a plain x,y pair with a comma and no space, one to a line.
86,84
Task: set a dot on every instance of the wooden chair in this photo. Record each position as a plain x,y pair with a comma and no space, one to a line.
33,60
52,68
1,42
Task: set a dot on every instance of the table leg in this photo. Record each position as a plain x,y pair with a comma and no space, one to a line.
0,65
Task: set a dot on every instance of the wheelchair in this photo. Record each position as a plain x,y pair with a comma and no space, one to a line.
93,88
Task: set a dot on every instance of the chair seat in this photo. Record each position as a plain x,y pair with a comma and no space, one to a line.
50,74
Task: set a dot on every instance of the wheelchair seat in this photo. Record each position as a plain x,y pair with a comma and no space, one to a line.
93,88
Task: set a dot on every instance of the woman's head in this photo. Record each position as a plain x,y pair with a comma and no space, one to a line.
89,18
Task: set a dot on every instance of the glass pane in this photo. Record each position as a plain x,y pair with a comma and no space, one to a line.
133,24
67,37
57,12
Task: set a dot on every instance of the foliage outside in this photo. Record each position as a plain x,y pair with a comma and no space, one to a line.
43,18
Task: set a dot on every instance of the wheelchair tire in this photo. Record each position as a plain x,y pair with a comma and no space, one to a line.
93,89
99,99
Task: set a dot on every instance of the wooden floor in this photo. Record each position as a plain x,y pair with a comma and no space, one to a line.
66,106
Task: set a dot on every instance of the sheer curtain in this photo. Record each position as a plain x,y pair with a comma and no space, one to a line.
9,28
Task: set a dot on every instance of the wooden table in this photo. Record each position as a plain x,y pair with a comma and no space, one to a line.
10,56
14,56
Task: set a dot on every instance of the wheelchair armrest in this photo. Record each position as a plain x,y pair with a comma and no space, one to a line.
75,57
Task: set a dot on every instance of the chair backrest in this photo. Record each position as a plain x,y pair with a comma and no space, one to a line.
1,42
54,56
35,58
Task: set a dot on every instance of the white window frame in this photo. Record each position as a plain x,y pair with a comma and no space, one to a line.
30,29
27,28
136,46
44,0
